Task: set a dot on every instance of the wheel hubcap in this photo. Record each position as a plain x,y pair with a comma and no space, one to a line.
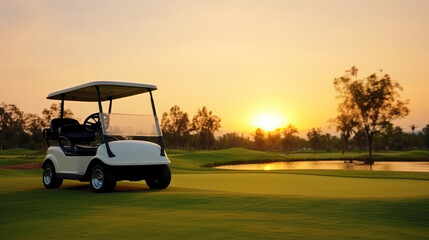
97,179
47,175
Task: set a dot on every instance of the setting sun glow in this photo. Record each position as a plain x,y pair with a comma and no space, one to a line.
267,168
268,121
246,61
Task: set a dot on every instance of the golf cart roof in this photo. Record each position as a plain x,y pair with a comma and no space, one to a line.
108,90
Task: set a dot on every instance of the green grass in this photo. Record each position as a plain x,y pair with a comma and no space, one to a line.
20,156
21,151
242,155
204,203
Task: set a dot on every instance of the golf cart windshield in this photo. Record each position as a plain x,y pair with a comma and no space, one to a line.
115,124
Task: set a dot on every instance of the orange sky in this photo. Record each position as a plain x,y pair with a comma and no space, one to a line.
238,58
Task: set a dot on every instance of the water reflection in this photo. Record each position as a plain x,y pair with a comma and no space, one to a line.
378,166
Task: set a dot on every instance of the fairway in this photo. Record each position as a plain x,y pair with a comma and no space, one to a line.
204,203
217,205
303,185
282,184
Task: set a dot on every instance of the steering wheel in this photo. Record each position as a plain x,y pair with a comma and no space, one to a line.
92,122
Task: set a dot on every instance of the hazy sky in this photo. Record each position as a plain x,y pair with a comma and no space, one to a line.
238,58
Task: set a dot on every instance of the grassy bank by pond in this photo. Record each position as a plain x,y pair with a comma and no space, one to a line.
242,155
205,203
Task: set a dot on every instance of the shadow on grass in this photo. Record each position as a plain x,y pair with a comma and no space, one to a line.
132,188
121,187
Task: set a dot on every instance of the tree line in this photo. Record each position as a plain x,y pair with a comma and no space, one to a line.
182,133
364,122
24,130
179,131
366,111
391,138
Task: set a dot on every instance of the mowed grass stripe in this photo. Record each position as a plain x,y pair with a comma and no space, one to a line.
303,185
73,213
262,183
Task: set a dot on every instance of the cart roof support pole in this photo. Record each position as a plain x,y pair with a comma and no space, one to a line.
62,106
100,131
158,129
110,104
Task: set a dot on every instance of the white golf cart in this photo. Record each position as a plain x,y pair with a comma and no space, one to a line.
92,152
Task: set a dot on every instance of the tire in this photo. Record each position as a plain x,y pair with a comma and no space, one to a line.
102,179
161,178
49,177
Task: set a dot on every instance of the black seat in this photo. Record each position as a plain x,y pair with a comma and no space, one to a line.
76,133
55,125
53,131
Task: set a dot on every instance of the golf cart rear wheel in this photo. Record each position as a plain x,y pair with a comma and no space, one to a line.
161,178
49,177
102,180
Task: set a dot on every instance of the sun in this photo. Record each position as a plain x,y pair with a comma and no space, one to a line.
268,121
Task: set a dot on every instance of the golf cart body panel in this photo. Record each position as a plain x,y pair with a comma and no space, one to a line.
67,164
108,161
131,152
128,153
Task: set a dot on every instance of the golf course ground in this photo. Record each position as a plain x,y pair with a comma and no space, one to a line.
206,203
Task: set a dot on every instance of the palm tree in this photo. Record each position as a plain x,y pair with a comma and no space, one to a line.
413,127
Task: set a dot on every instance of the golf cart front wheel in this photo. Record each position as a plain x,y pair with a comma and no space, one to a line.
161,178
102,180
49,177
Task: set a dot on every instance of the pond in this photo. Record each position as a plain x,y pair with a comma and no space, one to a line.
378,166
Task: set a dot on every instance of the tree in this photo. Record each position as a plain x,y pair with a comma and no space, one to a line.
259,137
289,134
371,102
387,137
230,140
345,125
274,139
327,141
359,140
205,124
34,127
315,138
392,138
175,127
426,135
54,112
332,142
11,126
413,139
